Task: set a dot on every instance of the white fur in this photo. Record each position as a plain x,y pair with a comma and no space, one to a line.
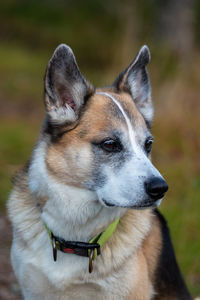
59,115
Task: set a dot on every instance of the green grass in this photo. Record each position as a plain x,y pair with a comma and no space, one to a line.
21,72
16,144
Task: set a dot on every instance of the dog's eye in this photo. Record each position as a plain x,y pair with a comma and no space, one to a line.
111,145
148,144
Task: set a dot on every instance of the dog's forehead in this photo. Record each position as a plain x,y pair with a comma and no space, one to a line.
107,110
119,105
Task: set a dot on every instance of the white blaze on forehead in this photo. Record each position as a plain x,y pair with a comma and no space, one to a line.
130,128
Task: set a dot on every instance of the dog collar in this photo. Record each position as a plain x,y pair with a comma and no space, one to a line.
91,249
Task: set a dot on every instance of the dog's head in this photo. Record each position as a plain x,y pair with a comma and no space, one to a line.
100,140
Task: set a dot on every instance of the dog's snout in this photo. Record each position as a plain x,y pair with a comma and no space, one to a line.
156,187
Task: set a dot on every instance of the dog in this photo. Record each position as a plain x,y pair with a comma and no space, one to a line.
84,208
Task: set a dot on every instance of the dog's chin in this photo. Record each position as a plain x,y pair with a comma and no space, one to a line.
144,204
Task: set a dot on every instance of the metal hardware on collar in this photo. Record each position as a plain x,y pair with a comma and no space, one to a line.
54,248
91,261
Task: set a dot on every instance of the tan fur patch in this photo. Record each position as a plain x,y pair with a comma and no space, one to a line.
70,160
152,247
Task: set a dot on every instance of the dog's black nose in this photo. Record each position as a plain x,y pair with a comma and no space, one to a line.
156,187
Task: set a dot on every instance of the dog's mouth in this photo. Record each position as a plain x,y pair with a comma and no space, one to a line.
145,204
107,203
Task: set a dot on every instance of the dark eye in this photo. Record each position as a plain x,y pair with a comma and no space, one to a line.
111,145
148,144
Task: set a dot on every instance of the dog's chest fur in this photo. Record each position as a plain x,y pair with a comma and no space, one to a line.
121,272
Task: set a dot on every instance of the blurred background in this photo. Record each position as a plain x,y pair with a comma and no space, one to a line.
105,37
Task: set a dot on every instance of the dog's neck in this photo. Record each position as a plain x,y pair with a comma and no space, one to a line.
73,214
70,212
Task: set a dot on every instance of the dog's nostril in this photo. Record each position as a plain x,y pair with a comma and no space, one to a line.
156,187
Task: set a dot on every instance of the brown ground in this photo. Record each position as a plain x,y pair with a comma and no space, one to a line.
9,288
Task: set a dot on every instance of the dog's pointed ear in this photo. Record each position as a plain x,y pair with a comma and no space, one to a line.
135,80
65,87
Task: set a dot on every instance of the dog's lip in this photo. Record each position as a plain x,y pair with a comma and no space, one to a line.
107,203
140,206
148,204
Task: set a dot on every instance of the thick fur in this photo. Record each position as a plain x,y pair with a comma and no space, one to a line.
77,188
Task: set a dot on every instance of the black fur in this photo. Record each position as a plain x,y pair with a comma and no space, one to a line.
169,281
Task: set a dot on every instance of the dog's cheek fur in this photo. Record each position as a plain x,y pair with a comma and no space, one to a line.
103,161
81,166
70,164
